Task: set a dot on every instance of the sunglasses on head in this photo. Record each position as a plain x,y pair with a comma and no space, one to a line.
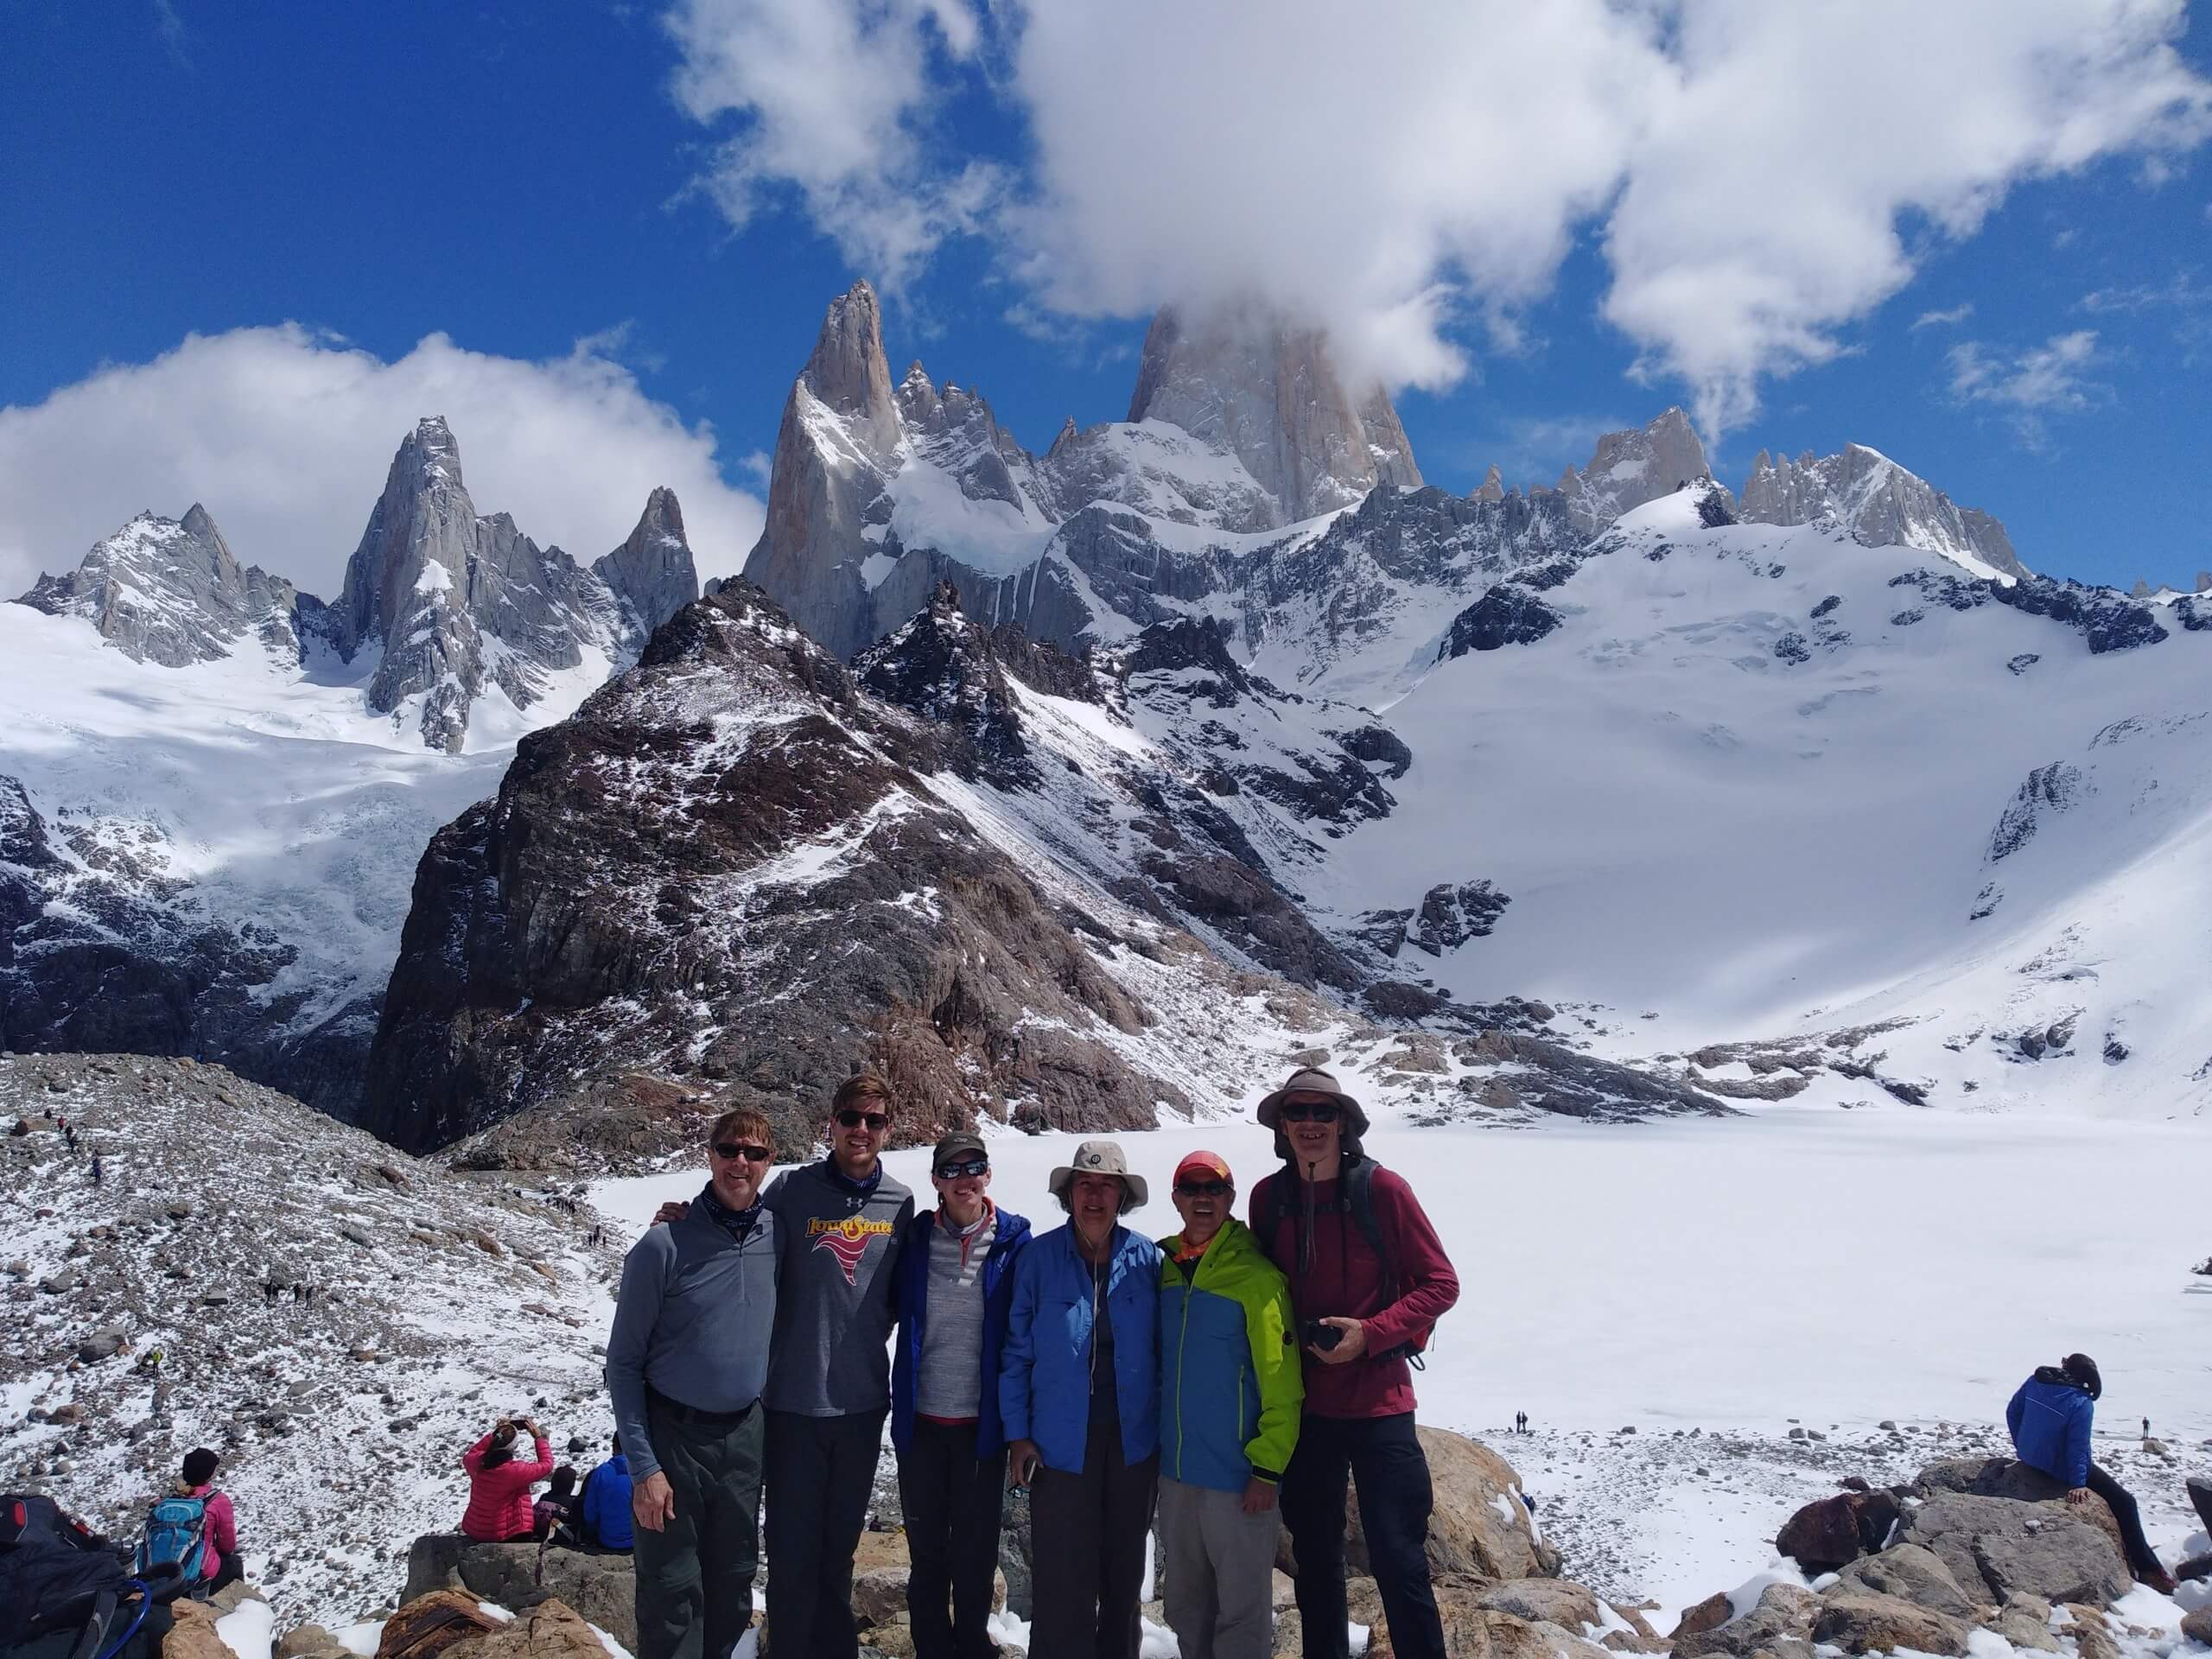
1204,1189
963,1169
731,1151
852,1118
1309,1112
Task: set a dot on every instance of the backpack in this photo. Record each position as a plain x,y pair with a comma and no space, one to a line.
54,1574
176,1533
1355,1197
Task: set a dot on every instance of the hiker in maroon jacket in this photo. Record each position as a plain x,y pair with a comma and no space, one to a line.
1362,1312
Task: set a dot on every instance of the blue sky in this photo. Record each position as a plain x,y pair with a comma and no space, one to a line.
521,179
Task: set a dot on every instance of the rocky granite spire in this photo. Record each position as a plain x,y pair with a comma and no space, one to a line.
1250,381
1493,489
653,574
1878,504
1631,467
170,591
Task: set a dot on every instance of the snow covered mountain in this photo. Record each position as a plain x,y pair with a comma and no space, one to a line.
1878,504
214,788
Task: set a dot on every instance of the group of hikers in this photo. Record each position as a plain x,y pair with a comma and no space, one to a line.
1218,1384
502,1508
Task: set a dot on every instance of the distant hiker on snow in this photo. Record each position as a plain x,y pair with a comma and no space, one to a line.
1368,1279
1079,1391
685,1366
195,1527
2051,1415
499,1486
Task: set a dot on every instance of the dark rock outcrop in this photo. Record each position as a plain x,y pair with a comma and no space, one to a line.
1506,615
725,867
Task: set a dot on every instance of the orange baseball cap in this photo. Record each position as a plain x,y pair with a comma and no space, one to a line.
1203,1163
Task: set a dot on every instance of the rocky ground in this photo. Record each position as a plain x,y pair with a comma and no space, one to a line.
413,1306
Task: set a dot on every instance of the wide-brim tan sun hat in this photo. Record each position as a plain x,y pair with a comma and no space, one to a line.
1311,1081
1101,1158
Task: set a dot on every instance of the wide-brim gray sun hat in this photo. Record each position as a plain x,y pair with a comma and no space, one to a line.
1100,1158
1310,1080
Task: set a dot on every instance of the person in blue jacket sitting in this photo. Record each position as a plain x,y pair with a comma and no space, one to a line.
603,1520
2050,1416
1079,1396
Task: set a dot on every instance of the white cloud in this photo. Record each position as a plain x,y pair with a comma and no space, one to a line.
2029,386
833,100
1412,173
1952,317
285,435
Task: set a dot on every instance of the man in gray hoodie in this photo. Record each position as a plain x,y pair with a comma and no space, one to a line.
685,1368
839,1224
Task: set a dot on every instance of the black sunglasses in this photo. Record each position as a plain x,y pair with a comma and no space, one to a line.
1320,1113
730,1152
963,1169
852,1119
1204,1189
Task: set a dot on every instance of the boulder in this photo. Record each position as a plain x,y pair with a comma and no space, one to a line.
305,1639
2200,1495
193,1636
1915,1575
879,1595
1556,1601
1504,1637
2007,1546
228,1598
1831,1531
2025,1621
552,1630
1710,1614
1785,1614
1860,1621
1478,1524
1988,1478
427,1625
2087,1506
2197,1627
602,1588
1634,1618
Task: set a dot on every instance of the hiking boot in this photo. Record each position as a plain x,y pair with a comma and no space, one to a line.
2162,1581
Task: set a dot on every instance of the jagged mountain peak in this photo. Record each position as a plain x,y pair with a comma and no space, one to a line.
849,372
1248,378
1630,467
653,574
1879,503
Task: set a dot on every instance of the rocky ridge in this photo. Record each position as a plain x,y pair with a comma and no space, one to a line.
1868,497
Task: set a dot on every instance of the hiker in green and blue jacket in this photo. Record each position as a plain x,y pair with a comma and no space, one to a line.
1230,1394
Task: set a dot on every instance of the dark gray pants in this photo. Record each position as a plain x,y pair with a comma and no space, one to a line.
821,1474
1087,1532
954,1501
695,1576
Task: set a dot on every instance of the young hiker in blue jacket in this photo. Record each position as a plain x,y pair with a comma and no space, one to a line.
954,1285
2051,1415
1079,1391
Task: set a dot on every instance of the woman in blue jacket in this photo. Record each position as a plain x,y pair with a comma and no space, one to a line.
2050,1416
1079,1396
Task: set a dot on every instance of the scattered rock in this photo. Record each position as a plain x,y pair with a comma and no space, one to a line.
1708,1615
1862,1622
551,1629
1784,1613
303,1640
102,1344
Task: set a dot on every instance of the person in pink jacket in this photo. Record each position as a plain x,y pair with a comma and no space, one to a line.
499,1485
219,1560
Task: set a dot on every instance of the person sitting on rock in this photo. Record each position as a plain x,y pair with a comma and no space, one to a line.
603,1517
1368,1279
499,1508
551,1515
2050,1415
220,1562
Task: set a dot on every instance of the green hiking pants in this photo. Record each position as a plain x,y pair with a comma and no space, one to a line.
695,1576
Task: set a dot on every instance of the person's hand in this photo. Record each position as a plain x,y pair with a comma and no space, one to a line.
1353,1344
674,1209
1022,1463
529,1426
1259,1496
652,1501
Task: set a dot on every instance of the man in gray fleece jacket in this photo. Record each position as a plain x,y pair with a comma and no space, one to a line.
685,1367
839,1224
